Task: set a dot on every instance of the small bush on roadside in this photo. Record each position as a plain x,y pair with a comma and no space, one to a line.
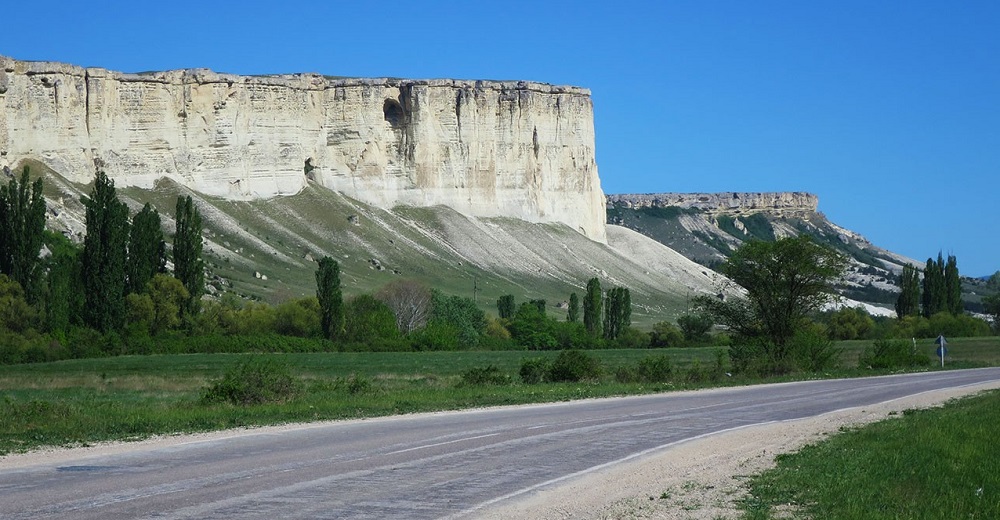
813,351
358,385
573,365
892,353
256,380
489,375
653,369
533,370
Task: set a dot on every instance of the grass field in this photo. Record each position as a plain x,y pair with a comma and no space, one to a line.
131,397
937,463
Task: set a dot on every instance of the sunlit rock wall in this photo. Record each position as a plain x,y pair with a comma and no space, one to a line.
485,148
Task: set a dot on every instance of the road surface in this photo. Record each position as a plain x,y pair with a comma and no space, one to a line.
420,466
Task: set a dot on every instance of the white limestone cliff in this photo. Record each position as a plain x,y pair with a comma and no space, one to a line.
483,148
775,203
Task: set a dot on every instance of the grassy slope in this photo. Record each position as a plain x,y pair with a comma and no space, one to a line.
282,237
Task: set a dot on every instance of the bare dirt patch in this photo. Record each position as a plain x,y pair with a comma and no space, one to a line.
698,479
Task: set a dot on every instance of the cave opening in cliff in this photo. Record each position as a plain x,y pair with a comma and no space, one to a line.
393,113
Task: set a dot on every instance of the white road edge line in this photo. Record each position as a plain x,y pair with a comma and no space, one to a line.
442,443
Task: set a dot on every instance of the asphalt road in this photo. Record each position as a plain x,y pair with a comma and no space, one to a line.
420,466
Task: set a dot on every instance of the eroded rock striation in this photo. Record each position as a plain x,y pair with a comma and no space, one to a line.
777,203
484,148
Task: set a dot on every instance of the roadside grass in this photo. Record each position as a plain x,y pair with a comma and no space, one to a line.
84,401
935,463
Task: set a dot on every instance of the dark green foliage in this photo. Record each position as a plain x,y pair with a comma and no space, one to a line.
908,303
849,323
953,286
189,267
786,281
489,375
331,299
532,328
808,350
533,370
573,312
104,256
617,312
630,337
147,251
892,353
462,314
665,334
991,304
935,292
300,318
505,306
256,380
572,366
369,321
16,314
592,303
695,326
944,322
539,304
653,369
22,220
666,212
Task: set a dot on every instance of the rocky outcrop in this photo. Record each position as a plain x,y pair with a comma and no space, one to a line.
784,203
484,148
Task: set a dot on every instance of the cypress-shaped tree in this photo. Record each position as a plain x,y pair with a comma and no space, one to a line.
573,312
22,220
592,301
953,287
617,312
331,299
934,298
505,306
189,267
104,255
908,302
147,253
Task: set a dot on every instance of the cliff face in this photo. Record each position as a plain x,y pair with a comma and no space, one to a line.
517,149
785,203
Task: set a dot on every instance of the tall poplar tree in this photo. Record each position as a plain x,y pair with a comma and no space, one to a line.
331,299
104,255
573,313
617,312
147,253
908,302
592,302
934,297
953,287
189,267
22,220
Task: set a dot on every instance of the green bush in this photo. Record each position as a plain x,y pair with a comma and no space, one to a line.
489,375
652,369
533,370
812,351
665,334
572,366
255,380
893,353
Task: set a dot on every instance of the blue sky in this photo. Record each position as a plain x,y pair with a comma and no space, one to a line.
889,111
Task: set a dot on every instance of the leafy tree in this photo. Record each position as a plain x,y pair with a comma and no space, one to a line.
468,320
189,267
147,251
991,304
331,299
573,313
410,302
532,328
953,287
935,297
695,326
299,317
104,255
22,220
15,313
785,281
908,303
592,303
665,334
848,323
506,306
994,281
617,312
368,320
64,293
168,296
539,304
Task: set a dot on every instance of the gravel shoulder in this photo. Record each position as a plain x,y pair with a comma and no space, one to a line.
697,479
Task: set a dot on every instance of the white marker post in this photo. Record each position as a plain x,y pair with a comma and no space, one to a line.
942,343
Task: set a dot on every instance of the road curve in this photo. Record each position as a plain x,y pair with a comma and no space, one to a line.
419,466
